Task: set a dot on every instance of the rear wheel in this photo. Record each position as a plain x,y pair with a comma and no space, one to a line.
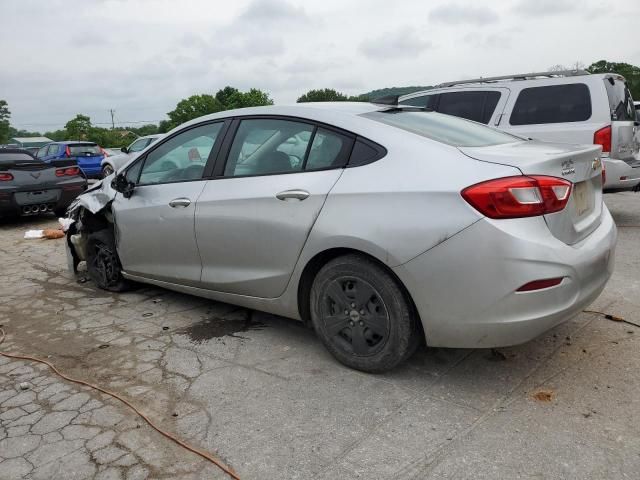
362,315
103,264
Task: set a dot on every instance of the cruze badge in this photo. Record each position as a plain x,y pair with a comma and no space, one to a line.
568,168
596,164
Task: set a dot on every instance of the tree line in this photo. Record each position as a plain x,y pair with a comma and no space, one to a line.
227,98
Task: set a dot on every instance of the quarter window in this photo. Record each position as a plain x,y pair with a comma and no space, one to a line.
182,157
552,104
428,101
326,150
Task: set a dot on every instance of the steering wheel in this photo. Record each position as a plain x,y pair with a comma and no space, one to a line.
296,162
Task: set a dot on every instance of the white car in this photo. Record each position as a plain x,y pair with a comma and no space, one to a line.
112,163
568,107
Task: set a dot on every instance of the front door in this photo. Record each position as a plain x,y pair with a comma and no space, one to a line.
253,221
155,226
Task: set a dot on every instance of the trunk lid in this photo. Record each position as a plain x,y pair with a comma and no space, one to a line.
579,164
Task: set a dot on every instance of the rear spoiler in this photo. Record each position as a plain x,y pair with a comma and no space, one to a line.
64,162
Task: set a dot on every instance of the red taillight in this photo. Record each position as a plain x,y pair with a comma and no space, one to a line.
68,172
67,152
6,177
521,196
540,284
603,137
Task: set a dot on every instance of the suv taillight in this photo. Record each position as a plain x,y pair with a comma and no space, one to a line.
67,172
521,196
6,177
67,152
603,137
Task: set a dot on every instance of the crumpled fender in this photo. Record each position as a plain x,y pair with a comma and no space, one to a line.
95,198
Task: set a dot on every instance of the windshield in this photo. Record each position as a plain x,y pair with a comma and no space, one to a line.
84,149
620,100
443,128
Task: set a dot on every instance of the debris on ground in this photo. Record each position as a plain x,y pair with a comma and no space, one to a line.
544,395
24,386
48,233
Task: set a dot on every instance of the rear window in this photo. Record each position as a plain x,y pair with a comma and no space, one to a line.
620,101
476,106
10,157
84,149
442,128
552,104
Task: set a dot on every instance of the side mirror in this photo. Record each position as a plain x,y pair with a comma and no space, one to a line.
122,185
124,150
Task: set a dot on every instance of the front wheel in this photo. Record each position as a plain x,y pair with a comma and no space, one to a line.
103,264
107,170
362,315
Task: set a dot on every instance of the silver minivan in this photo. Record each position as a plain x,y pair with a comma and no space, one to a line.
573,107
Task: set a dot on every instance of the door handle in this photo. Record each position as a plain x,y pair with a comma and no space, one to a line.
295,193
179,203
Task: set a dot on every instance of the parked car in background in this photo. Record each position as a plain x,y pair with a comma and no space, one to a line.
89,155
29,186
569,107
359,219
113,162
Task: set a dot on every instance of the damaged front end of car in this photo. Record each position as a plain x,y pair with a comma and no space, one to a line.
90,212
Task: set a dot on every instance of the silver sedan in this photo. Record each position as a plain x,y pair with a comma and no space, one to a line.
381,226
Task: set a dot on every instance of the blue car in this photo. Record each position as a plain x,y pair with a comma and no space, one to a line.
89,155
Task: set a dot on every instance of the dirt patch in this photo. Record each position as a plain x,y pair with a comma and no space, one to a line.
544,396
237,321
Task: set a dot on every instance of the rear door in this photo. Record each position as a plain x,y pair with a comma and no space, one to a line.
253,218
623,119
155,226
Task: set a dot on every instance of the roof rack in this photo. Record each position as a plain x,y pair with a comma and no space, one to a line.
520,76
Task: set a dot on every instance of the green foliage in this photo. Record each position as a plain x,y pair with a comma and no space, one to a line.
227,98
78,128
193,107
5,114
383,92
630,72
323,95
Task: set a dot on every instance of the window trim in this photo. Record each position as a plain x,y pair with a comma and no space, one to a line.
212,154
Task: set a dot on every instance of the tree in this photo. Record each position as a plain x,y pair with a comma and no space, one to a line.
78,128
323,95
252,98
630,72
5,114
193,107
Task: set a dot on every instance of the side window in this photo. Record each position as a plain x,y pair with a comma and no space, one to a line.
42,152
620,101
52,150
267,146
428,101
327,150
475,105
139,145
552,104
182,157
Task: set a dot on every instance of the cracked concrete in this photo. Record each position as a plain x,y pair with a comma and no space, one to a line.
268,399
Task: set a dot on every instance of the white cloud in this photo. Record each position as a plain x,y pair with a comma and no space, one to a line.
454,14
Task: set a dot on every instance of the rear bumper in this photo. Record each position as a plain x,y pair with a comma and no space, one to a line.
465,288
64,195
621,176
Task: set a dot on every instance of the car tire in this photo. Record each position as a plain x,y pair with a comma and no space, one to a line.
362,314
103,264
107,170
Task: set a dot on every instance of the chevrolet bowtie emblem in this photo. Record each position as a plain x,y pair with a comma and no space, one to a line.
35,174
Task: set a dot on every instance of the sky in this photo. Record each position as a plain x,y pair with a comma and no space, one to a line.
140,57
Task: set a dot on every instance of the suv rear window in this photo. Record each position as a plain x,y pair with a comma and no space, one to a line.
84,149
552,104
442,128
620,101
476,106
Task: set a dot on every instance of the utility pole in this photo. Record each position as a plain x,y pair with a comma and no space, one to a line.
113,125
